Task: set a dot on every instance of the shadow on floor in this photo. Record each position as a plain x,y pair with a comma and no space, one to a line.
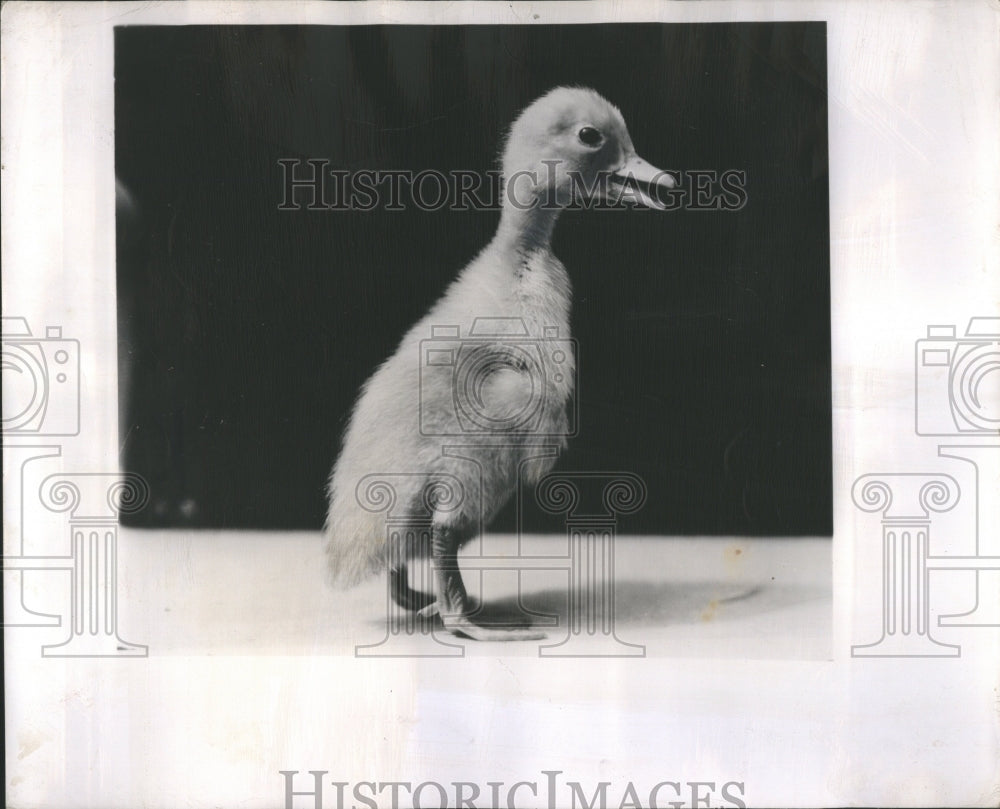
653,604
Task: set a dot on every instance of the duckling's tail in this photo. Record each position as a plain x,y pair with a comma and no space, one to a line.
354,538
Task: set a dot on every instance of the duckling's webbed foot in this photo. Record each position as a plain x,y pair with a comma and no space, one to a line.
429,611
453,603
462,626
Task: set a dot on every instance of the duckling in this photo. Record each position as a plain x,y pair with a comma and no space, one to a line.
570,139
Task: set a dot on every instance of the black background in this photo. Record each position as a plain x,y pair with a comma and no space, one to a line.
245,331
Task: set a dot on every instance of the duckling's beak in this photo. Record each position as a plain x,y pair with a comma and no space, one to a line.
638,180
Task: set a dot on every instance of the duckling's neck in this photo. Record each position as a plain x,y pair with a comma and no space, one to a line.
525,230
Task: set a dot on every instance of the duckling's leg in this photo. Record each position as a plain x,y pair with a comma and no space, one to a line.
404,595
453,601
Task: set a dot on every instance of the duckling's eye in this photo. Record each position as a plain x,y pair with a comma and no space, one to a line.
590,136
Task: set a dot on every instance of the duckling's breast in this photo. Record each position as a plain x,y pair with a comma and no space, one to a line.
543,297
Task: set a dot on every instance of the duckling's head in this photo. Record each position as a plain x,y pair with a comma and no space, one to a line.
570,144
